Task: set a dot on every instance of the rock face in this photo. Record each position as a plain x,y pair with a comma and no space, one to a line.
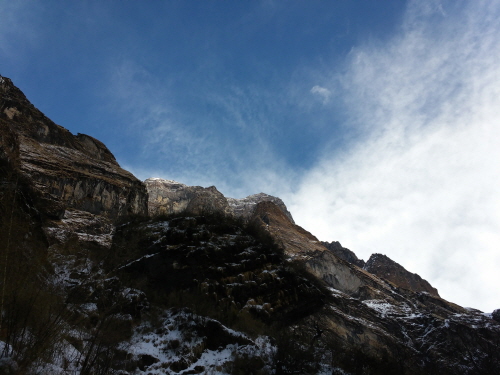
301,245
496,315
245,207
295,240
65,170
344,253
168,197
386,268
359,316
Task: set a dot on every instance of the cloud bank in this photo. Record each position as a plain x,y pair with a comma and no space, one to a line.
421,183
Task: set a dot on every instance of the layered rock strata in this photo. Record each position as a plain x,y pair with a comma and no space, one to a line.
64,170
71,189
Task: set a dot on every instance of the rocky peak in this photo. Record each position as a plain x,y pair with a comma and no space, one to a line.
29,122
344,253
269,213
385,268
245,207
496,315
295,240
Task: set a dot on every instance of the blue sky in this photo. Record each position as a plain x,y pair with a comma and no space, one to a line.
376,121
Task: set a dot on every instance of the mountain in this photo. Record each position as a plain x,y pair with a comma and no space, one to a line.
384,267
104,274
344,253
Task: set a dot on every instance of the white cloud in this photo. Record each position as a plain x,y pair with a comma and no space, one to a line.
422,186
322,92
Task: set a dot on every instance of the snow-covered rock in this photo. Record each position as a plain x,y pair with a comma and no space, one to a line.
245,207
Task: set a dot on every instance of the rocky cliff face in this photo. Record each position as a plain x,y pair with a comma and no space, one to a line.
384,267
245,207
344,253
295,241
205,284
78,172
168,197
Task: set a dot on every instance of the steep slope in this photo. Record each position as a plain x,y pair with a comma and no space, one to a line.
167,197
344,253
60,197
378,318
295,241
386,268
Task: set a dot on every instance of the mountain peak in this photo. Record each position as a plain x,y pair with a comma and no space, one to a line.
245,206
384,267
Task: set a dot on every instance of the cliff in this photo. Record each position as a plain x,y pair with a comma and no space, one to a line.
167,197
64,170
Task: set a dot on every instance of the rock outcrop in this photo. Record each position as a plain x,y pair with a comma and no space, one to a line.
65,171
344,253
496,315
245,207
295,240
299,244
384,267
167,197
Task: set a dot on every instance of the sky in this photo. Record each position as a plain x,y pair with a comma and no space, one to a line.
377,122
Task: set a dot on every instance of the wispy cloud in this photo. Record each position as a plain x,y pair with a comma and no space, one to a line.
151,120
322,92
421,185
227,145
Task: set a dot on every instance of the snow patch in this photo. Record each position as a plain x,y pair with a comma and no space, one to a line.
175,340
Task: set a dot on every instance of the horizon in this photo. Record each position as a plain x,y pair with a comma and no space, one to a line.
377,125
